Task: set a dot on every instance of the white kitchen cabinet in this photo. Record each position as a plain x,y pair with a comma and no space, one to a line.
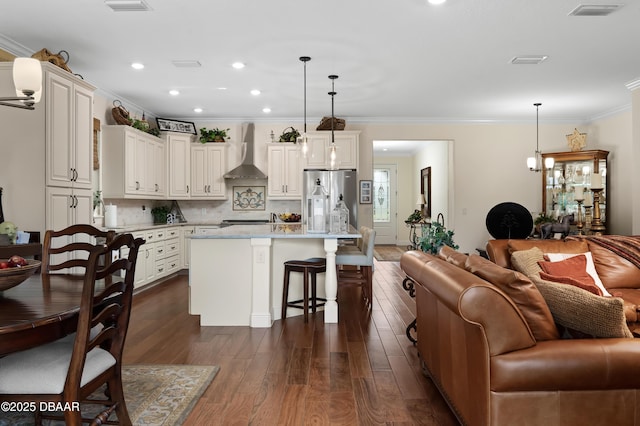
67,206
284,171
69,129
48,146
208,166
134,164
159,256
178,147
346,149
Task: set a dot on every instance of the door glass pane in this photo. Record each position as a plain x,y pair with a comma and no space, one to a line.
381,190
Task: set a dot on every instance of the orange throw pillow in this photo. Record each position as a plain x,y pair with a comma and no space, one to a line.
581,282
574,267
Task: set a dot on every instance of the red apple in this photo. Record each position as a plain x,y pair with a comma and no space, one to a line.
4,265
16,260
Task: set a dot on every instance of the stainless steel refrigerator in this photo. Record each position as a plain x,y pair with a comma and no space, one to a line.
335,182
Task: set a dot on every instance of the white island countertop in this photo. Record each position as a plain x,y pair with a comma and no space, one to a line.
271,230
236,272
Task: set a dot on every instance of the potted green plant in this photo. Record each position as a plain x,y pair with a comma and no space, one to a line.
213,135
437,236
289,135
160,214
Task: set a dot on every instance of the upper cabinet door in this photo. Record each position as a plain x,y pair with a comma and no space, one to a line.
318,156
69,132
82,151
59,132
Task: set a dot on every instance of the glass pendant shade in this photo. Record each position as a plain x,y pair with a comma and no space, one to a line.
549,163
27,76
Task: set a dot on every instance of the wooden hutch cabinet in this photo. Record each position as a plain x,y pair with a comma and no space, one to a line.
571,173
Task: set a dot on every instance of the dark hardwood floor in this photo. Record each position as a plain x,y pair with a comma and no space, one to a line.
362,370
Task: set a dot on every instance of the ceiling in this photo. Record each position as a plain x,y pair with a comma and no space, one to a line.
397,60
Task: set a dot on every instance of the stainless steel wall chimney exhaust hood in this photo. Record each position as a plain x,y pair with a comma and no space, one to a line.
246,170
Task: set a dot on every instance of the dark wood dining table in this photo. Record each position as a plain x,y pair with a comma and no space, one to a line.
39,310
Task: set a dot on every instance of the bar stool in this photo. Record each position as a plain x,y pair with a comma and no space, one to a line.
309,267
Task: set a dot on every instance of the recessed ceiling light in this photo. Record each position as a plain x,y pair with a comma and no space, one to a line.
255,92
528,59
197,110
238,65
436,1
222,88
127,5
266,110
137,66
174,92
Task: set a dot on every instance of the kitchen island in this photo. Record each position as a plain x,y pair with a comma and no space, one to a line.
236,272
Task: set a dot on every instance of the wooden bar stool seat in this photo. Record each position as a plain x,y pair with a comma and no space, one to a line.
310,268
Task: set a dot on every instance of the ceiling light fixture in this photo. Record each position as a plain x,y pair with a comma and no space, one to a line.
127,5
436,1
174,92
186,63
27,78
332,151
595,9
137,65
303,139
266,110
255,92
535,163
528,59
238,65
198,110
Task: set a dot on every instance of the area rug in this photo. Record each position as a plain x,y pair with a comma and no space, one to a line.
161,395
389,253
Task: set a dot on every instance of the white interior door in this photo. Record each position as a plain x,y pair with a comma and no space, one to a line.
384,203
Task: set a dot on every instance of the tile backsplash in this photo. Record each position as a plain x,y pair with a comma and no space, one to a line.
138,212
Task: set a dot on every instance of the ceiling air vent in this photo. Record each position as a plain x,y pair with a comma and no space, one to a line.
187,63
594,9
528,60
127,5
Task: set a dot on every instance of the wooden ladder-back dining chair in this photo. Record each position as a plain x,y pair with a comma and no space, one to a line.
356,266
70,247
67,373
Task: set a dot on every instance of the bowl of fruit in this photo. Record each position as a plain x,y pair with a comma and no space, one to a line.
15,270
290,217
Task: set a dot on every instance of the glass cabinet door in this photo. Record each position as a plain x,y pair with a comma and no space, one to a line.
571,176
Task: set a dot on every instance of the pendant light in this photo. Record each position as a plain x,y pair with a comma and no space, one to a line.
332,150
302,140
535,163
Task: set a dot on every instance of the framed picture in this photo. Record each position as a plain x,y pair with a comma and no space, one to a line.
167,125
366,197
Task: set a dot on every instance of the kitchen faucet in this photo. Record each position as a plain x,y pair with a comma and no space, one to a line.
272,217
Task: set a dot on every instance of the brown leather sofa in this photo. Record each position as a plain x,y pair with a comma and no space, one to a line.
477,346
618,275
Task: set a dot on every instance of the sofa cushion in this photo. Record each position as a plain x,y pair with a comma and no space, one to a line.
590,267
523,293
453,256
549,246
526,261
580,310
